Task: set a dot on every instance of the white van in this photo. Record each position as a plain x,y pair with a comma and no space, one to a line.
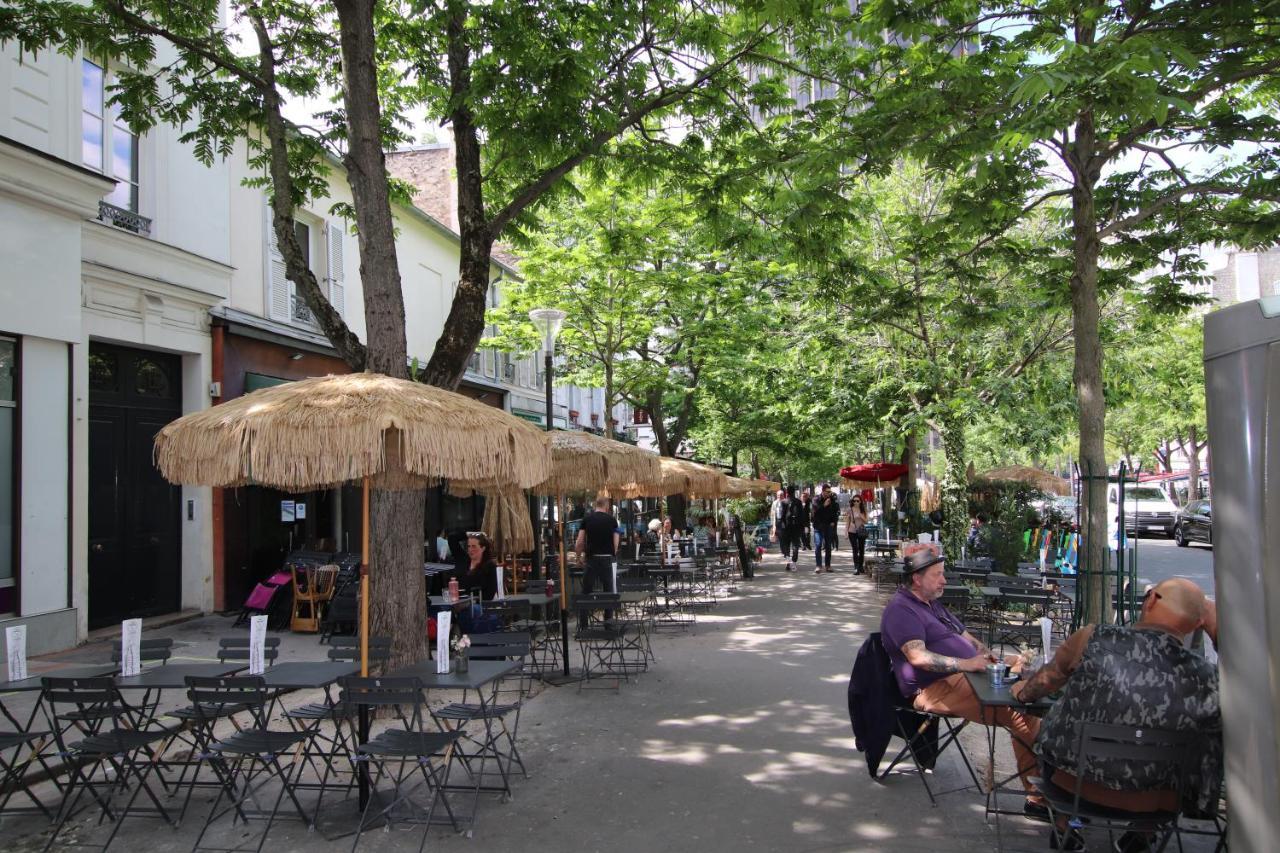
1147,509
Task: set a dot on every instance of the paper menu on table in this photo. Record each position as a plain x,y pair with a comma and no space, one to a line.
15,644
130,647
257,645
614,586
1046,632
501,594
444,624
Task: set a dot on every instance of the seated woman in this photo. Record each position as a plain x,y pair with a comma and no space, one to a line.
481,571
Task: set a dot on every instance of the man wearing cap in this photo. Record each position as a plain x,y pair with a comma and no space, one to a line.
931,650
1139,675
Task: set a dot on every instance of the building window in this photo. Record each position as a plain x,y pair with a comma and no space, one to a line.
106,143
298,310
8,429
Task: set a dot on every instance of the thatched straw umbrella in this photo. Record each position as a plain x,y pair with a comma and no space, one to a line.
1033,477
389,433
506,521
581,462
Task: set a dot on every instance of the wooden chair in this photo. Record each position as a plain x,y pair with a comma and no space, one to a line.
312,588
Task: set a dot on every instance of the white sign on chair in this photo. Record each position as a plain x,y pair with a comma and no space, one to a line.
257,645
130,647
444,624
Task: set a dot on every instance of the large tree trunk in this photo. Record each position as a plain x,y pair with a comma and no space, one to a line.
397,603
465,324
1088,376
1193,466
954,493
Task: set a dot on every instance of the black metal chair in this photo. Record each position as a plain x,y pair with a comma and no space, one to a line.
499,714
401,754
245,760
114,757
602,644
1169,753
13,770
925,737
335,751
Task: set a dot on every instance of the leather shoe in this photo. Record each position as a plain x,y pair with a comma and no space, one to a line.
1035,811
1134,842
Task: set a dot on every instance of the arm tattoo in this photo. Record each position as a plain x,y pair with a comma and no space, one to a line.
929,661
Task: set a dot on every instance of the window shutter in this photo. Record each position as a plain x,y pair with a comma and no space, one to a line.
277,280
337,271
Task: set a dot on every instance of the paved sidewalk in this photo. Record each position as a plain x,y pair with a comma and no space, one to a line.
737,739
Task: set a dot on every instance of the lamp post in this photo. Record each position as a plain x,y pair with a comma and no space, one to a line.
548,321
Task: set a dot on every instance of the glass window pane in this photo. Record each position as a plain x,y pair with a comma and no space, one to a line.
91,88
152,380
121,196
124,154
91,141
8,366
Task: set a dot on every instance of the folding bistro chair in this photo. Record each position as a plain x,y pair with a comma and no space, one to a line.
335,751
602,644
499,715
401,754
925,736
13,770
1099,743
245,760
115,755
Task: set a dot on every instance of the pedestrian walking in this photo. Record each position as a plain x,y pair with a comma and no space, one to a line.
825,516
806,520
855,521
785,529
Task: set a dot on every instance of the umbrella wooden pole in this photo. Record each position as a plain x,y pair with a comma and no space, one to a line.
364,634
564,587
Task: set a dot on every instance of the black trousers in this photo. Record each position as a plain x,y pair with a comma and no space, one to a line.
805,534
789,542
858,542
598,576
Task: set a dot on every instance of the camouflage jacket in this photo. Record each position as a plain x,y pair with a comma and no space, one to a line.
1139,677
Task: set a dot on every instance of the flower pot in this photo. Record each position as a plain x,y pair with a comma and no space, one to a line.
461,664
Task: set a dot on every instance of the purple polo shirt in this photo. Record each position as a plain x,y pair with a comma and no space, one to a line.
907,618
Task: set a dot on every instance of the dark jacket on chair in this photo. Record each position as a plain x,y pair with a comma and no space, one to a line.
875,704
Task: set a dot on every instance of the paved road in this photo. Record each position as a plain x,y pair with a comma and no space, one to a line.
1159,559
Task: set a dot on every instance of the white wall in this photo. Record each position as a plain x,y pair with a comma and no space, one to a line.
44,465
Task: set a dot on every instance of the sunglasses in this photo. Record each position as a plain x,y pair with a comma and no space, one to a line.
1149,594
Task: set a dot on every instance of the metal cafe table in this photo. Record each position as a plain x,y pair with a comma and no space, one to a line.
990,700
41,750
480,674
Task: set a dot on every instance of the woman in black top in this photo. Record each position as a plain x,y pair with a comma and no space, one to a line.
481,571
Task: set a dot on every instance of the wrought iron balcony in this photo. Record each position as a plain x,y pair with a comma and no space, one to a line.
122,218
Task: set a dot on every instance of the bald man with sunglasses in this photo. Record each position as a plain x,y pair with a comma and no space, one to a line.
1134,675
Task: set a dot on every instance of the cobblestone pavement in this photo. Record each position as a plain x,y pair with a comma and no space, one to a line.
737,739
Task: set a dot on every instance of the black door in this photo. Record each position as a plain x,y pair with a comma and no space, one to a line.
134,514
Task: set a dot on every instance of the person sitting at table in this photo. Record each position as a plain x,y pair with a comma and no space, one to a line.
481,570
930,650
1135,675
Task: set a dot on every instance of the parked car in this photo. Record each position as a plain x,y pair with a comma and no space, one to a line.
1146,509
1194,524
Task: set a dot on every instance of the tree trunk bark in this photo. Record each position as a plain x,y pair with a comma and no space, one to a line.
465,324
954,492
1193,466
397,602
331,323
1088,373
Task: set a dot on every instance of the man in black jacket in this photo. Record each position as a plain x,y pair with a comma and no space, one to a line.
826,515
785,513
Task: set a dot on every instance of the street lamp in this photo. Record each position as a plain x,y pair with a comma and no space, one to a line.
548,321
